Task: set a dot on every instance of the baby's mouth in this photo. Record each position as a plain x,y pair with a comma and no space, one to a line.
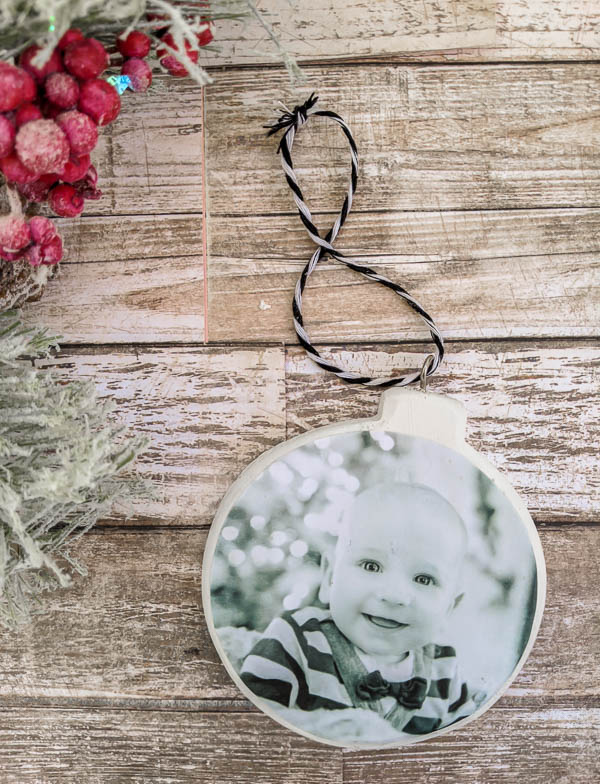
384,623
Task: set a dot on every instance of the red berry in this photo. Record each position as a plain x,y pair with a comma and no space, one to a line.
52,251
205,36
100,47
16,86
65,201
14,233
42,146
42,229
62,90
80,130
85,59
14,171
136,44
69,38
28,86
12,255
99,100
53,64
34,255
26,113
38,191
139,72
48,253
75,168
7,136
87,186
170,62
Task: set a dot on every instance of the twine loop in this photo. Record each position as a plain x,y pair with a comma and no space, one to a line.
291,122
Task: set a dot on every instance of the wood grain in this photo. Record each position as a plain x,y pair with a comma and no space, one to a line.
480,168
157,747
335,29
207,413
429,138
161,747
133,632
152,300
149,160
108,238
476,272
431,30
481,274
505,745
531,410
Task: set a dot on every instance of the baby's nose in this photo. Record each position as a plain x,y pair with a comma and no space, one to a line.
396,592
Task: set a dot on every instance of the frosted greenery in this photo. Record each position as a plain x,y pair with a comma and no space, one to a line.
23,22
60,455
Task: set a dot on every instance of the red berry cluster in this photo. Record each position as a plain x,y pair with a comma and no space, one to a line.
36,240
134,47
49,124
49,118
169,61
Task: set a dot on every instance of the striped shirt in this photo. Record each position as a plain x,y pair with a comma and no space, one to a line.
293,664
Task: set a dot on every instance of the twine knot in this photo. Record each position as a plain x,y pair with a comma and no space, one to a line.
297,117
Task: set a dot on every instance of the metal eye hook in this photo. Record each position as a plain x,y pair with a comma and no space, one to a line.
423,376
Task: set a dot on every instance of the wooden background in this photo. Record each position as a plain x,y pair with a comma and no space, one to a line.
480,192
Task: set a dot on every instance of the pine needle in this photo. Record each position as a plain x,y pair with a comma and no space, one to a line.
60,456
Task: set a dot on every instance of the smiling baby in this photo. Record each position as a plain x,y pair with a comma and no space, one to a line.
388,591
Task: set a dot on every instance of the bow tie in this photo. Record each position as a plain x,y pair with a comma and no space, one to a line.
411,694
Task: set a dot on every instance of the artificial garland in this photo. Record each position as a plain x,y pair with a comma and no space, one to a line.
64,87
61,454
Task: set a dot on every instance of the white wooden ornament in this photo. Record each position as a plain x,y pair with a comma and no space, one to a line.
436,422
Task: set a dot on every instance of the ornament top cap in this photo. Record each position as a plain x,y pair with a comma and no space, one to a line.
425,414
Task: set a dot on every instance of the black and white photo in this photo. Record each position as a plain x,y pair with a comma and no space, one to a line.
373,588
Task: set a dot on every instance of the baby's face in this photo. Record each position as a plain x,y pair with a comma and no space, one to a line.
395,574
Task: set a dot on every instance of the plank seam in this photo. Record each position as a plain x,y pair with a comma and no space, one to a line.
559,341
204,215
406,61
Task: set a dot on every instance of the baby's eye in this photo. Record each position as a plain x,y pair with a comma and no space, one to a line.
370,566
425,579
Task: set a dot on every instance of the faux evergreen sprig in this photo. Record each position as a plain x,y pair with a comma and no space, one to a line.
23,22
60,456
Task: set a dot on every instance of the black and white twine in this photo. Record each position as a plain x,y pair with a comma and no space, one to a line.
292,121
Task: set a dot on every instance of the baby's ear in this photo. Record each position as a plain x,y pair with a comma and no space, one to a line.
326,575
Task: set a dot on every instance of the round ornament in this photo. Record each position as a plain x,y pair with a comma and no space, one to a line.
374,582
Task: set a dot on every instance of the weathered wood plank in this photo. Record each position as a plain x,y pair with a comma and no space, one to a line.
432,30
158,747
506,745
152,300
480,274
209,412
150,159
335,29
120,238
133,630
429,138
531,410
206,412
